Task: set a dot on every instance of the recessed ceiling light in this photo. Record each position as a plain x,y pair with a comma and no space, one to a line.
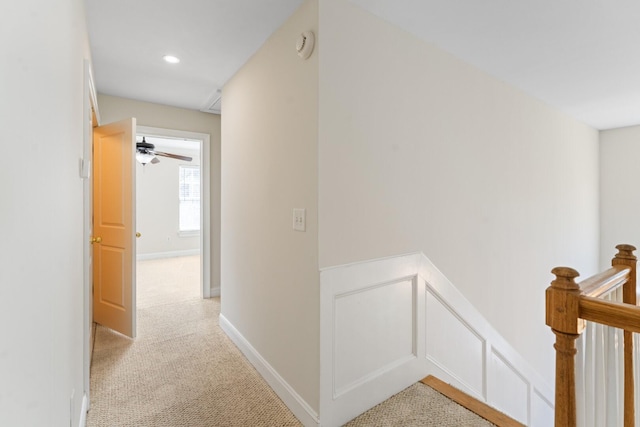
171,59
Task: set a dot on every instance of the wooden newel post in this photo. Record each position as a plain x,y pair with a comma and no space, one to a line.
625,257
562,315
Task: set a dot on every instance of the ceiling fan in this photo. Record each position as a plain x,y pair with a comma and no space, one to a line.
146,153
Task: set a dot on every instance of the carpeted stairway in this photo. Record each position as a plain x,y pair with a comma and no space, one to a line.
182,370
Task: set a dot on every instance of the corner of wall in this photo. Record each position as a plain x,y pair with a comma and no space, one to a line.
269,167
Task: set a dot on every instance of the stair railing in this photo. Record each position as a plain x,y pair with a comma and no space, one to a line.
569,305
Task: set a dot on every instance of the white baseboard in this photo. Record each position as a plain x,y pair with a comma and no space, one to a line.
83,411
170,254
215,292
301,409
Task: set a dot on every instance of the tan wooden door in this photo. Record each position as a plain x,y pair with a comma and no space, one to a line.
114,295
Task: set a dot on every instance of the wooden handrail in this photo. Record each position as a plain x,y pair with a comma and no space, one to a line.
603,283
569,305
618,315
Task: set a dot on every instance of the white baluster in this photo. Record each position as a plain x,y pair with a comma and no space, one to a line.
600,389
620,370
589,376
612,373
636,380
581,403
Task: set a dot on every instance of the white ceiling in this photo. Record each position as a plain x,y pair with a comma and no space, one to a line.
213,39
577,55
580,56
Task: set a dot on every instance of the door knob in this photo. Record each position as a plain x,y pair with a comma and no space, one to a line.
95,240
138,234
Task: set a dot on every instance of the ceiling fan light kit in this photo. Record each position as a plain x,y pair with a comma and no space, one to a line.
146,153
144,158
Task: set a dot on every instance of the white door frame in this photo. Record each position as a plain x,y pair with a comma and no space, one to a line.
205,196
91,118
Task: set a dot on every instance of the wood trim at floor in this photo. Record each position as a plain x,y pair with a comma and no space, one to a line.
474,405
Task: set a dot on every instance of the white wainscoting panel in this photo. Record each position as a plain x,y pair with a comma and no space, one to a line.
374,330
378,307
508,390
541,411
446,331
386,324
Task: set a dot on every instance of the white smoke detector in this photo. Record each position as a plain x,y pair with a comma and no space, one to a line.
304,44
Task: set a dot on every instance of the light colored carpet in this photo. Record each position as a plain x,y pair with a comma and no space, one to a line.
182,370
418,405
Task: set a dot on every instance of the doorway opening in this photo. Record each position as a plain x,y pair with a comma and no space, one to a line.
168,217
172,201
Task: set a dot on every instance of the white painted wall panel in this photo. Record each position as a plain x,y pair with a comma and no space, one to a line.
507,390
541,410
453,345
372,323
374,329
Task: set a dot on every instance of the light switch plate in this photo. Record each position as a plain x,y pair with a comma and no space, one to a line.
299,219
85,168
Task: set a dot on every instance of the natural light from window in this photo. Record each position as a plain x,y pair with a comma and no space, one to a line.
189,196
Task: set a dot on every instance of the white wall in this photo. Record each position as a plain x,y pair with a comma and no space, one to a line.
419,151
157,206
41,218
113,108
619,195
269,166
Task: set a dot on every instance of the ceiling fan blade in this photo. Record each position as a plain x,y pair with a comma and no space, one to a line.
173,156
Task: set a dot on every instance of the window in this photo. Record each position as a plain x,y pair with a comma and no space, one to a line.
189,195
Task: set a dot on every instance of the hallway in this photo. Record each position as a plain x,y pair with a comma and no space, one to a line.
181,370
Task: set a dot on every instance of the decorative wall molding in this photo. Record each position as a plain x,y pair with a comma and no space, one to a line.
387,323
301,409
